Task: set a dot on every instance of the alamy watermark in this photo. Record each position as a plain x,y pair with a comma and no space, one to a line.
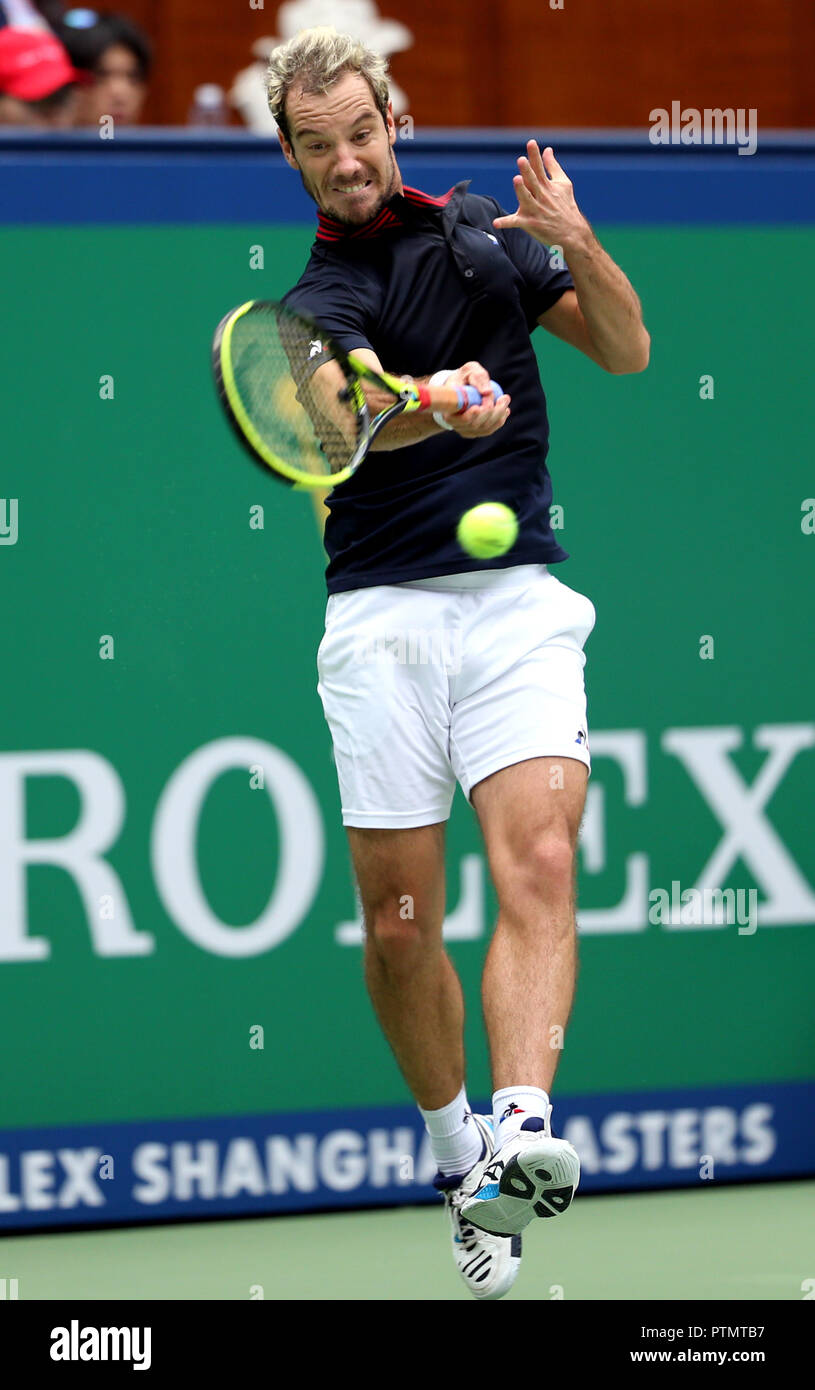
704,907
439,646
76,1343
8,520
712,126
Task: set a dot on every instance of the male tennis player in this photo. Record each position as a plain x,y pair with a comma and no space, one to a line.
451,288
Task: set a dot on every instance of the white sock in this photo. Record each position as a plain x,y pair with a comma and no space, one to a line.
513,1106
454,1138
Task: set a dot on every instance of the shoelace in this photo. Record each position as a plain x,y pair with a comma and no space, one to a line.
469,1240
469,1235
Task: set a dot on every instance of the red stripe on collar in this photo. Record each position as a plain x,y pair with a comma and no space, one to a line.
331,229
415,195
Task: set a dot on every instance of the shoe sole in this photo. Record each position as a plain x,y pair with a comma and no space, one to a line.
539,1181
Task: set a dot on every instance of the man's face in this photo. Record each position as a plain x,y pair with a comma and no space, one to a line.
342,148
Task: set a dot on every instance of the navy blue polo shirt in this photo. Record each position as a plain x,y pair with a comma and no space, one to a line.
430,283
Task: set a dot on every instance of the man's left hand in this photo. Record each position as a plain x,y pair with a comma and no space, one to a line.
546,204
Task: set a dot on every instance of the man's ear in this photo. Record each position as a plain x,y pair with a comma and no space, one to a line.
288,153
391,125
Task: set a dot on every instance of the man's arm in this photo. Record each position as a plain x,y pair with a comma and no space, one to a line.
415,426
602,316
604,337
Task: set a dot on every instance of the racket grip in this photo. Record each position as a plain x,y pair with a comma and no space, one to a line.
470,395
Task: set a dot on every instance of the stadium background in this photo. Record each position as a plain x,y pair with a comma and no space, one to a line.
131,994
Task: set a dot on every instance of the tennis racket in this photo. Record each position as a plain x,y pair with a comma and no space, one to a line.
311,428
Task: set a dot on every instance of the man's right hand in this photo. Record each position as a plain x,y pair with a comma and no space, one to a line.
479,419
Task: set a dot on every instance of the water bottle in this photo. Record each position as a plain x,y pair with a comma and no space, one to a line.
209,106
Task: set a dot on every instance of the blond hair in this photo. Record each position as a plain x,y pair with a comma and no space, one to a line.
315,59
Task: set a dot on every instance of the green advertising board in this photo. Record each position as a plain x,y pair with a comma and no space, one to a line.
180,961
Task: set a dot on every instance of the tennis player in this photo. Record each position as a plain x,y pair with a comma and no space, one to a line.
435,667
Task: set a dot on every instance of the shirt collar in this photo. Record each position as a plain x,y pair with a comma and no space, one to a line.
396,213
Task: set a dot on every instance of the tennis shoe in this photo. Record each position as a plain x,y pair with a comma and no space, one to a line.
531,1175
487,1263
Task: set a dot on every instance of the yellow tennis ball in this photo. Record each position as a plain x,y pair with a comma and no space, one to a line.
488,530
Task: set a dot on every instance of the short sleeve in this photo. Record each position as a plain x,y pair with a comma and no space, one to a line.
336,307
544,282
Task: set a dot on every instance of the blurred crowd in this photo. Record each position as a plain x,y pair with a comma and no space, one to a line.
64,67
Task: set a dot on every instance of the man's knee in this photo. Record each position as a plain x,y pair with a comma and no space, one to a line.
400,942
541,868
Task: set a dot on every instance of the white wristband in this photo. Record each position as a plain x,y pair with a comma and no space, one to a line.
441,379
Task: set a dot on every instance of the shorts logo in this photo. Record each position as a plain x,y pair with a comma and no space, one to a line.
315,348
582,737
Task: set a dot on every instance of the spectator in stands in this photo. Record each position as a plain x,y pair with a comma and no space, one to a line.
117,55
38,85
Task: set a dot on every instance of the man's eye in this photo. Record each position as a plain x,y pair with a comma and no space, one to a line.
363,134
315,149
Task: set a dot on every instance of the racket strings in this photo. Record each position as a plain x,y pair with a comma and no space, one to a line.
295,409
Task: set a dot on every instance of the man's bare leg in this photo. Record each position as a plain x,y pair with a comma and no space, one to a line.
417,996
530,816
413,986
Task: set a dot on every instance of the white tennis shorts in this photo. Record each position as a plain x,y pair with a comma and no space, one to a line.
450,679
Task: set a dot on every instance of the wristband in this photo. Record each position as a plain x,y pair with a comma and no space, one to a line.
441,379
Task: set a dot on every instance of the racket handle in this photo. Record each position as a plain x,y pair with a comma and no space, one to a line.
470,395
451,400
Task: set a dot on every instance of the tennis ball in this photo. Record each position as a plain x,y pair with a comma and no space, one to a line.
488,530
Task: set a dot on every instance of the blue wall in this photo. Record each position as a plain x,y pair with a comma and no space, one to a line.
162,177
